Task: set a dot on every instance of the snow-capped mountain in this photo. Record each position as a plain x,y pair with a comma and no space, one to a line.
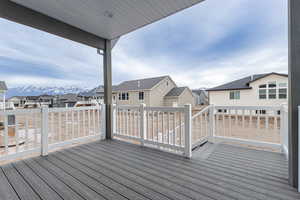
34,91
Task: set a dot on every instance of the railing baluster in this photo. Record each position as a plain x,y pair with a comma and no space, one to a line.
180,131
174,129
224,128
162,128
152,125
6,133
66,125
59,127
26,132
35,129
168,125
89,121
17,133
73,128
157,126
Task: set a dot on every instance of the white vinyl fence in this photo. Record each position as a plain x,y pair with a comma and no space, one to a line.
36,131
165,128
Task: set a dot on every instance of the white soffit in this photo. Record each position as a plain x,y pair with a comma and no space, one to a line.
108,19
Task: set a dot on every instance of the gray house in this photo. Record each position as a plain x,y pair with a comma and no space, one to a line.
201,96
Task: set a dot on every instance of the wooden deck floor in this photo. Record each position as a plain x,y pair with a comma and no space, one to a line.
116,170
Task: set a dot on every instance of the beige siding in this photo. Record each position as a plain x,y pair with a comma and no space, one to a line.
134,98
248,97
158,93
185,98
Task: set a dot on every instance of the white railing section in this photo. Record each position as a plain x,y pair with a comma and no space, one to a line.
202,126
20,133
165,128
284,127
26,132
250,125
71,125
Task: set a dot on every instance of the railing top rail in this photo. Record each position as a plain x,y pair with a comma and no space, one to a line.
74,109
19,111
202,111
249,107
126,107
165,109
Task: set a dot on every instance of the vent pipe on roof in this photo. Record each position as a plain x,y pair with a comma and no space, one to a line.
251,77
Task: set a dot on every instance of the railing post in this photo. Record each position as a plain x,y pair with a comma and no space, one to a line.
143,130
282,127
114,118
298,150
102,121
44,131
212,122
188,130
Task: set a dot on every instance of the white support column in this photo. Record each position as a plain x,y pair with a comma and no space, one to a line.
44,131
294,88
188,130
107,77
143,130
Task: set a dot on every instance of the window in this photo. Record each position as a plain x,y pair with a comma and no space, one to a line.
124,96
282,91
272,90
234,95
262,94
141,95
261,112
272,93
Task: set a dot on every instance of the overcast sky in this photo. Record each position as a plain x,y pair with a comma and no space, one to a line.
203,46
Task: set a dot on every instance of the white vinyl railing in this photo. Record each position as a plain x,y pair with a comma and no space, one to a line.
202,126
165,128
36,131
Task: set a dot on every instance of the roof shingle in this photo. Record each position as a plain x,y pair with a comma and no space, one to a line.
242,83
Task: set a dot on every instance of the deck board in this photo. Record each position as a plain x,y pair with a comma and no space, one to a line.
118,170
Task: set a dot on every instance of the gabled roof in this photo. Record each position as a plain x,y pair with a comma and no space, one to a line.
140,84
176,92
98,91
243,83
3,86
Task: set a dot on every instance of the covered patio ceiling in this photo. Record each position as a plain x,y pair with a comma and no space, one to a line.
108,19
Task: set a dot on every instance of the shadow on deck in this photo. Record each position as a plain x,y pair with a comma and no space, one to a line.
117,170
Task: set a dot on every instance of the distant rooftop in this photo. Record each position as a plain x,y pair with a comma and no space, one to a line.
139,84
243,83
176,91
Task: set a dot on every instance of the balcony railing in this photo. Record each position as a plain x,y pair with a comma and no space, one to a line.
173,129
36,131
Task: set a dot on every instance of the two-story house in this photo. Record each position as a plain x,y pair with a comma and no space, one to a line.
157,91
268,89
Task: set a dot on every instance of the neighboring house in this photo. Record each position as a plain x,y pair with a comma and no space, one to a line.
67,100
96,94
3,90
201,97
179,96
152,92
257,90
18,101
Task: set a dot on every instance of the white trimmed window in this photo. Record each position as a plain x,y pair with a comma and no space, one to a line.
234,95
272,90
